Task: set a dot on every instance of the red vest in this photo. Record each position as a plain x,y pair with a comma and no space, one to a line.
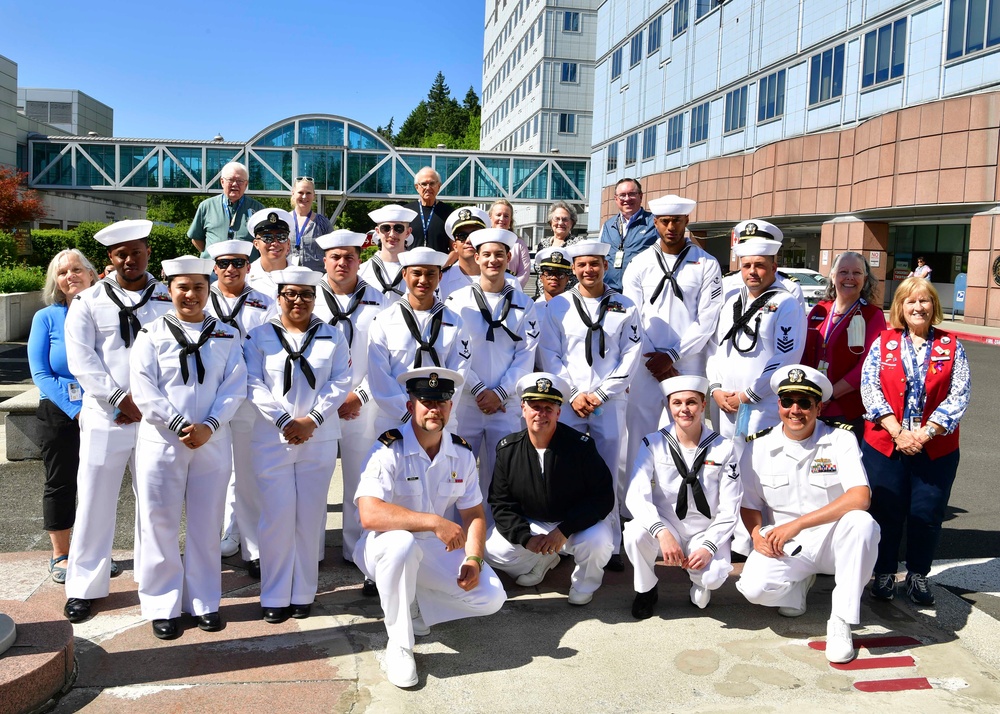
892,377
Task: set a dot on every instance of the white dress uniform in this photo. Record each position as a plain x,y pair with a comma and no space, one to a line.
97,352
774,336
410,566
654,494
503,351
355,315
733,282
251,309
678,325
453,280
173,389
294,478
599,359
790,478
392,350
385,276
261,281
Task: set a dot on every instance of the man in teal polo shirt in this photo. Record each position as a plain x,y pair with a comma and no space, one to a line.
224,217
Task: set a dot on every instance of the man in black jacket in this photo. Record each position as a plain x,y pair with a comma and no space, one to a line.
550,494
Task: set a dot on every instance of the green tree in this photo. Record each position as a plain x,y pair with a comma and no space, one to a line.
440,119
172,208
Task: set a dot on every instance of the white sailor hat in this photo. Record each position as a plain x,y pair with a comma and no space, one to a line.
295,275
269,219
230,247
422,255
123,232
187,265
800,378
341,239
393,213
464,217
542,386
553,258
757,246
587,247
757,228
493,235
671,205
435,383
684,383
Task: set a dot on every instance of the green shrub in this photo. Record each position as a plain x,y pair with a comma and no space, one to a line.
8,250
368,252
165,242
21,279
95,252
46,244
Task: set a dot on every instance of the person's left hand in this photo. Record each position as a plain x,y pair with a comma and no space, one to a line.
488,402
698,560
779,535
195,435
468,575
660,365
299,431
351,408
551,542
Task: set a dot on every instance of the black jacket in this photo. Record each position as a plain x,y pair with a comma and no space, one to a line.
576,491
438,238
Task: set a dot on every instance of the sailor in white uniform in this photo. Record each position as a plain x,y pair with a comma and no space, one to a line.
555,272
100,328
298,376
429,568
501,324
416,331
592,338
756,228
461,224
394,235
684,497
808,476
233,302
350,304
271,229
188,379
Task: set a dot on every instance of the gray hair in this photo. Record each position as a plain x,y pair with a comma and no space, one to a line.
232,168
566,207
51,293
868,291
434,174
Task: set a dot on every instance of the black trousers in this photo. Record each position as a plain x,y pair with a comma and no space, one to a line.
61,456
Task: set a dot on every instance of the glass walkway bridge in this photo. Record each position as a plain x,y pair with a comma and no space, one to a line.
346,159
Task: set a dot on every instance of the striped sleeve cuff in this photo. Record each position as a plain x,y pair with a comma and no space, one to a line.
654,530
117,396
316,417
176,424
283,420
502,393
752,396
477,389
212,423
709,545
573,392
713,386
673,354
362,395
602,395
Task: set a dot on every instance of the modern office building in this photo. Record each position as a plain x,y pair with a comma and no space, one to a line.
538,85
869,125
68,110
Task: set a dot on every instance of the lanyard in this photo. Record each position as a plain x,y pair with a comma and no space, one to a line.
426,223
830,327
918,372
231,213
300,233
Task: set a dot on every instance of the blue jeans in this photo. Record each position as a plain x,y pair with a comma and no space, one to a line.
914,490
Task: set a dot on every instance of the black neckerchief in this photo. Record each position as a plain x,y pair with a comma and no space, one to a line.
378,267
338,314
294,356
741,320
506,298
690,477
669,274
231,317
188,347
592,326
128,323
437,313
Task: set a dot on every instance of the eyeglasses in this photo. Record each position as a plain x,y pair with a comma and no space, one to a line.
397,228
292,296
428,184
224,263
234,181
805,403
630,194
555,273
273,238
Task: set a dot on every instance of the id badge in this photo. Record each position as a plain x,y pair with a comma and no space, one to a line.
619,259
823,366
914,423
75,393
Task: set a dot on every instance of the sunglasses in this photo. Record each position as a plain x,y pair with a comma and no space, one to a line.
224,263
304,178
462,237
805,403
278,238
292,296
397,228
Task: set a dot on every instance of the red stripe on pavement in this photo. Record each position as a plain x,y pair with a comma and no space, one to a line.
974,337
893,685
876,663
871,642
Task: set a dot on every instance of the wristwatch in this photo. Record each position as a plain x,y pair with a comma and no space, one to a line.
931,430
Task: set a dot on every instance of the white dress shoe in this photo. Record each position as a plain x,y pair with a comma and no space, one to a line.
230,546
839,645
537,573
400,668
700,596
578,598
420,628
801,587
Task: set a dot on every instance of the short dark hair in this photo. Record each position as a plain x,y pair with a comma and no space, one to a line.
357,249
630,180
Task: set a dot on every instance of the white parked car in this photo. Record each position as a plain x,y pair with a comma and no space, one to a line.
812,283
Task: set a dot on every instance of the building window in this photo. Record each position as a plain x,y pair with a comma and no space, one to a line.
972,25
653,41
826,75
771,97
706,6
613,157
568,72
616,64
635,51
736,110
571,22
680,16
649,142
675,133
631,148
567,123
884,55
699,123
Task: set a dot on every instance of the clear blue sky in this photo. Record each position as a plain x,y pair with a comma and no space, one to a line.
187,70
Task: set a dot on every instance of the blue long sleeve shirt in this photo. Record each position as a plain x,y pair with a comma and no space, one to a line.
47,358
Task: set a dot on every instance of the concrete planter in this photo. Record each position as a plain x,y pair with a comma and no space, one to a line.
16,311
23,431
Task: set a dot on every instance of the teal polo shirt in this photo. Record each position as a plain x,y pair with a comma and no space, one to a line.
211,221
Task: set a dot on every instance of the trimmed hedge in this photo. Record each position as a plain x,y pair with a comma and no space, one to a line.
21,279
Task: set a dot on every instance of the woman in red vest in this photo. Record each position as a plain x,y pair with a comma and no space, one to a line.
842,327
916,385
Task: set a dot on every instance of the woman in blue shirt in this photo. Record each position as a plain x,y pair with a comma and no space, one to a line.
69,274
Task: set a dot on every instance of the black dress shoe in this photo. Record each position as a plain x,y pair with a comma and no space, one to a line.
615,564
77,609
301,612
644,604
369,589
165,629
253,568
274,615
209,622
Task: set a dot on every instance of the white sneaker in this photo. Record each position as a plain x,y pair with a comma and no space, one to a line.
802,587
420,628
230,546
400,668
578,598
700,596
839,645
537,573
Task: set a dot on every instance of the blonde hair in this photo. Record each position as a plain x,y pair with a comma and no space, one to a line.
907,288
51,293
502,202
